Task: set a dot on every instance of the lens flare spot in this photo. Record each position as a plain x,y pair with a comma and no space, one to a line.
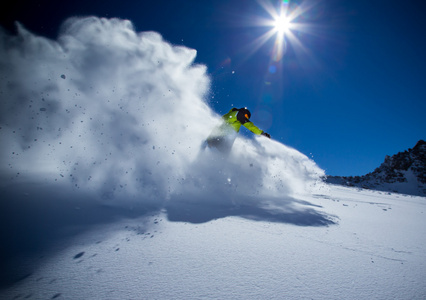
272,69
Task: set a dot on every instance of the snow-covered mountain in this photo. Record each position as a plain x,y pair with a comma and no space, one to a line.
404,172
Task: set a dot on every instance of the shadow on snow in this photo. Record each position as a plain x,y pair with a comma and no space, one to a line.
288,210
35,217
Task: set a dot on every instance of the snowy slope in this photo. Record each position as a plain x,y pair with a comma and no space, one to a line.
374,250
108,194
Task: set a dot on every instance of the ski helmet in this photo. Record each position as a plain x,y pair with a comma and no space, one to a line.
243,115
246,112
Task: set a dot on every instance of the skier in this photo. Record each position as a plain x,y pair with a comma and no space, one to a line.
223,136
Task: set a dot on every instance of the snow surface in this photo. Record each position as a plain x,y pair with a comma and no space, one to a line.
373,250
107,192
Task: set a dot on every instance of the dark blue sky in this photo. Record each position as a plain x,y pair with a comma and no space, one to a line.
350,89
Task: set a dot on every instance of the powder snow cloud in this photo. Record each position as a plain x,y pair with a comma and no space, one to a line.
123,114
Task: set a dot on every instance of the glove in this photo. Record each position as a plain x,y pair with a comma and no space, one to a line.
266,134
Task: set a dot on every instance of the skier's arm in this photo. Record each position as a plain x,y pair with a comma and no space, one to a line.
250,126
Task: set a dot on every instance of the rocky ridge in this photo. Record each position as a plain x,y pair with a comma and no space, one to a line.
404,172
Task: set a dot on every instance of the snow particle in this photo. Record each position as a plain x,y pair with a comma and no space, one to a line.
79,255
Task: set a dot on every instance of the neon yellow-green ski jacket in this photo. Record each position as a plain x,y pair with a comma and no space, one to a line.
235,121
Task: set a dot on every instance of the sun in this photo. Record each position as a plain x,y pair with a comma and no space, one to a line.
282,24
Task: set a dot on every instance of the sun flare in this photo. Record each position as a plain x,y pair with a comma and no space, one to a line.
282,24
